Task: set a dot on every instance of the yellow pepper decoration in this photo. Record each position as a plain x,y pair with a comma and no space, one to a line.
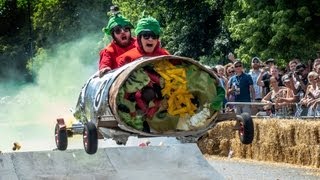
175,88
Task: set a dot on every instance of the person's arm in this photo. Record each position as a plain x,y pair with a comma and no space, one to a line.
231,57
259,81
306,95
290,98
251,88
225,82
253,94
105,62
230,87
267,98
305,98
303,86
294,85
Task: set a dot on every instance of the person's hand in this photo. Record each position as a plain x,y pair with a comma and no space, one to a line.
103,71
269,102
297,76
280,100
265,69
231,57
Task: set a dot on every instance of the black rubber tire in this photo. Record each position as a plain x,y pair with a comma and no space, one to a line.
61,138
90,138
119,142
246,129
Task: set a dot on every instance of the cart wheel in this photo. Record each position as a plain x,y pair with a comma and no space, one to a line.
61,137
119,142
90,138
246,128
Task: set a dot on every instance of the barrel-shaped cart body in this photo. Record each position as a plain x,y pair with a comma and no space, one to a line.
156,96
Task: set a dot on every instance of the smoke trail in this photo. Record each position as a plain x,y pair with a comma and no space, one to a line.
28,112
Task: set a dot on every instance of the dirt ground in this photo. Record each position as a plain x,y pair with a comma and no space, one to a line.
275,140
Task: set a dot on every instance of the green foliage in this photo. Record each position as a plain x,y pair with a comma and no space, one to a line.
282,30
13,42
50,22
53,21
64,20
205,30
38,61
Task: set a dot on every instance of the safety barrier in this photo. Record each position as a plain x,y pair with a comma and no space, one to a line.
281,113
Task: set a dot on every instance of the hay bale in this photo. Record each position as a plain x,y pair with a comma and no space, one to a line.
277,140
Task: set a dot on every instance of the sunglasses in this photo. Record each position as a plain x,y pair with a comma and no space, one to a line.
119,29
238,66
148,35
230,72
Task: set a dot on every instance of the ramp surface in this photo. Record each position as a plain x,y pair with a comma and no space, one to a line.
179,161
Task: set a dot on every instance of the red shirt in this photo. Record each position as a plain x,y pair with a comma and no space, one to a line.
137,52
109,54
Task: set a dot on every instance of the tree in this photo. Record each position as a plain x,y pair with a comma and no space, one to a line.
13,44
278,29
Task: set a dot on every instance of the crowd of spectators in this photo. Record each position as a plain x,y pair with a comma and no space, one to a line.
287,91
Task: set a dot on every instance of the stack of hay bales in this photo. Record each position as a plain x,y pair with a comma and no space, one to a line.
277,140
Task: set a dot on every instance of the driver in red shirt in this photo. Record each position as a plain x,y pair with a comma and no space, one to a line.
120,29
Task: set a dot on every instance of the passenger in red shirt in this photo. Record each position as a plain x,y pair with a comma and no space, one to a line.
147,44
148,99
122,41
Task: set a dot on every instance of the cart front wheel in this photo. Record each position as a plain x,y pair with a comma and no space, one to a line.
61,137
90,138
246,128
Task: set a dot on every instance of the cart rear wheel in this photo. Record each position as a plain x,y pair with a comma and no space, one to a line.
61,137
246,128
90,138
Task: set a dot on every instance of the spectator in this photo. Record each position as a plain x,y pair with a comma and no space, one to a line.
229,70
316,65
293,64
311,99
221,75
254,73
272,98
290,98
241,85
282,71
269,63
264,78
301,75
221,81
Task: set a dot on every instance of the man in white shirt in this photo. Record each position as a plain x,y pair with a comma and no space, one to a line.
255,72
